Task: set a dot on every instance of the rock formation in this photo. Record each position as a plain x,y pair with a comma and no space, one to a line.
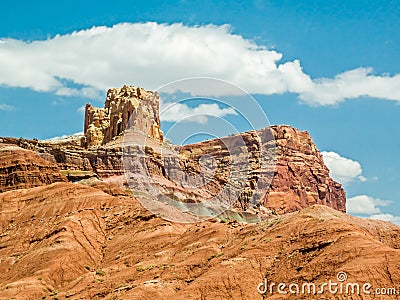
126,107
295,176
20,168
300,177
93,239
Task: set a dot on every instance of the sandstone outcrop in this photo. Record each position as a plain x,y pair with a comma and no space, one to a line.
299,178
21,168
93,239
126,107
296,179
70,156
280,161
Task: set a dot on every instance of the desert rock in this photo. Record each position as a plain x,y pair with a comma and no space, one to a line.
126,107
21,168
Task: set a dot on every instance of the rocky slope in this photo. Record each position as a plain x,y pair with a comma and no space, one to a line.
20,168
74,241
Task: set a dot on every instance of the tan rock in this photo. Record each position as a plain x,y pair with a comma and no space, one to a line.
126,107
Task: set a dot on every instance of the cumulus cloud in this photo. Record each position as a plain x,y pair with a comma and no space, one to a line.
181,112
386,217
365,205
6,107
342,169
150,54
351,84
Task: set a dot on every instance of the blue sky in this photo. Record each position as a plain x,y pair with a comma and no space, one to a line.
308,45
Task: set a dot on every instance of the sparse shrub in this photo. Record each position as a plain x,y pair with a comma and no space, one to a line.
142,269
215,256
163,266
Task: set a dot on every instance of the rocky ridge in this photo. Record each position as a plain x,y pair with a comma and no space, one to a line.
93,239
294,175
21,168
299,179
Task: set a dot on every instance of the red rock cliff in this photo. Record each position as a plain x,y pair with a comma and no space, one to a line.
299,175
20,168
301,178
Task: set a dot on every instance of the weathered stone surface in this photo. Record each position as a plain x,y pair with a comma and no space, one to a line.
300,178
69,156
126,107
21,168
280,160
71,241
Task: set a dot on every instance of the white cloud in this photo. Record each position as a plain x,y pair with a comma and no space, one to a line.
151,55
386,217
365,205
363,178
86,92
342,169
352,84
6,107
73,136
81,110
181,112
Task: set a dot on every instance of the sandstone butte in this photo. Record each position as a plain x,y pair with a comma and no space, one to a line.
70,228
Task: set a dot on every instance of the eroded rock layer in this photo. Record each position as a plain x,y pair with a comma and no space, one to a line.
299,175
296,176
71,241
21,168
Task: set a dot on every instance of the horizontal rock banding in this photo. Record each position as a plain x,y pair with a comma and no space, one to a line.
21,168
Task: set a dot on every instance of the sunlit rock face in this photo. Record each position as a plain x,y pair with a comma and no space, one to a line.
126,107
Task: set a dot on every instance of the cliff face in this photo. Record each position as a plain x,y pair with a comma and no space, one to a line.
278,167
295,179
20,168
126,107
301,178
293,173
